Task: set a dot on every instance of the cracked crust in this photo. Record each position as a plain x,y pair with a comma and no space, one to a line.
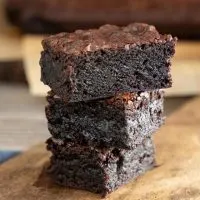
101,63
106,37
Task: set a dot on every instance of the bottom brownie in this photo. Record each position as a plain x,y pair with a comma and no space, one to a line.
98,170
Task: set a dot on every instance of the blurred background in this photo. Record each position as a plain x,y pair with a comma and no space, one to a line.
23,24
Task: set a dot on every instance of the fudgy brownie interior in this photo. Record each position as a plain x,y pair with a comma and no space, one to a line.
89,64
98,170
122,121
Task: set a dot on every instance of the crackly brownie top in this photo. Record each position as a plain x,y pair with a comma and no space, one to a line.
106,37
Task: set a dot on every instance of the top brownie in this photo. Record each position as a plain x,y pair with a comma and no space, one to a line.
98,63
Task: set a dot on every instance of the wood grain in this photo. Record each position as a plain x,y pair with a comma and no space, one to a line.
185,69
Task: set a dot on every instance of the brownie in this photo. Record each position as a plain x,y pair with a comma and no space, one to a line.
99,63
98,170
122,121
43,16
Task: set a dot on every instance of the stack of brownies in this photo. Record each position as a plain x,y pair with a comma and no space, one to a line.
105,103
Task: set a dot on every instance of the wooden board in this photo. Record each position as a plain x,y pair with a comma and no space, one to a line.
185,70
176,177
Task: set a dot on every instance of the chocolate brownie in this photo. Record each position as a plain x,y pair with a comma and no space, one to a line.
99,63
122,121
98,170
175,16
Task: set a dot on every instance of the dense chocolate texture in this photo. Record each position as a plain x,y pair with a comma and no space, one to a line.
98,170
99,63
175,16
122,121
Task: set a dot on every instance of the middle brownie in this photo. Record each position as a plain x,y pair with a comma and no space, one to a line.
123,121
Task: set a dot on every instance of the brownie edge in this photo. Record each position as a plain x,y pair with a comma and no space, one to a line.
98,170
122,121
99,63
